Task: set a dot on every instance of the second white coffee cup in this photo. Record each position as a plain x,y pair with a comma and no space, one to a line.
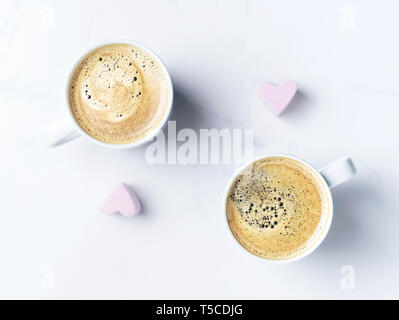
329,176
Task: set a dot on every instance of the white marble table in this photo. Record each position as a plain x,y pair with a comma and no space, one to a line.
56,244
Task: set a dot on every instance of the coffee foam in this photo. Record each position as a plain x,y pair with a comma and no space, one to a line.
277,207
118,93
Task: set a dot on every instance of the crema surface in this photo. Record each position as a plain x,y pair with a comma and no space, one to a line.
274,208
118,93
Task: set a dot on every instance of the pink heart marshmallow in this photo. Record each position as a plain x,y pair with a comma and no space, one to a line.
122,200
277,98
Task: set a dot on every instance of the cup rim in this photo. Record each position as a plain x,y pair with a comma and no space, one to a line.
168,111
323,233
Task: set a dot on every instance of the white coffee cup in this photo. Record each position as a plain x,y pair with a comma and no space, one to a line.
67,129
330,176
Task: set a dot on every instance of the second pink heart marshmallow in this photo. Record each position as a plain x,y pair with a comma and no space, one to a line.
277,98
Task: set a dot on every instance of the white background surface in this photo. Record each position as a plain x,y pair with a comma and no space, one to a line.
218,52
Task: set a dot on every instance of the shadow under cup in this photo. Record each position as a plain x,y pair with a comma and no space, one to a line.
278,208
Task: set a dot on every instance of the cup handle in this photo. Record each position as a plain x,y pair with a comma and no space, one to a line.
338,171
60,132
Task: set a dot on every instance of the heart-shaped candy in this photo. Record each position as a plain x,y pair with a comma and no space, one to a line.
278,97
122,200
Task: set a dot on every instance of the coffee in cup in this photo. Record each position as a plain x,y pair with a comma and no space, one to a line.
118,93
277,208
